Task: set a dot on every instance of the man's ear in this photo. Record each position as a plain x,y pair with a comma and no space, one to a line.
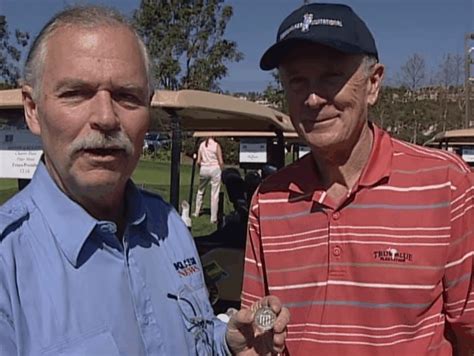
375,82
31,110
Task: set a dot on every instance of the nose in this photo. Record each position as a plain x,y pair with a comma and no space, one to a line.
104,116
315,101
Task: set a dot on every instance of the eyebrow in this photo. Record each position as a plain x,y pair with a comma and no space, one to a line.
130,87
68,83
71,83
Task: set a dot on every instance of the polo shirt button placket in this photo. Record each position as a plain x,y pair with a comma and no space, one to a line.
336,250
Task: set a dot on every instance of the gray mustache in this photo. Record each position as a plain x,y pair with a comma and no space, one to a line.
117,140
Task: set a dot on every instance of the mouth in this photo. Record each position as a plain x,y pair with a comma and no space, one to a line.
318,120
104,152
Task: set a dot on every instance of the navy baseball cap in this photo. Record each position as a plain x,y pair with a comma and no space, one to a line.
333,25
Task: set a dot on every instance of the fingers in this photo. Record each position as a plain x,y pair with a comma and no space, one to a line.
244,333
283,314
283,318
279,342
273,302
280,330
241,318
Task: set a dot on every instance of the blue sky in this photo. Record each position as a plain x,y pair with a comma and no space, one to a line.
400,27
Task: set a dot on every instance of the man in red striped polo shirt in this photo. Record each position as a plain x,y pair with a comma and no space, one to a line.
368,240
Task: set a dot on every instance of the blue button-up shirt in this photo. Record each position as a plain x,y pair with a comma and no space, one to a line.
69,287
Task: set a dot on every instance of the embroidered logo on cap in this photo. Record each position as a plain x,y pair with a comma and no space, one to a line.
307,19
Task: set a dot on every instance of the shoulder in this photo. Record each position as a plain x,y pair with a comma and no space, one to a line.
430,166
165,221
160,210
12,218
426,157
153,199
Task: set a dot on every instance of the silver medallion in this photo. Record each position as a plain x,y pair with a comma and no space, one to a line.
265,318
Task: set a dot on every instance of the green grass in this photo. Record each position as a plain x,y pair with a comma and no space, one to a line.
153,176
8,187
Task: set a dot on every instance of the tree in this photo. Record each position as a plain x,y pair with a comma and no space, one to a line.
450,71
413,74
10,54
275,95
186,41
380,112
449,77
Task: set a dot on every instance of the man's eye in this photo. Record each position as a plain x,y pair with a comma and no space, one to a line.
127,97
75,94
298,83
70,93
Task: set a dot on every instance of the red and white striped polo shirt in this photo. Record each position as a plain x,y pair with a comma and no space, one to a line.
379,274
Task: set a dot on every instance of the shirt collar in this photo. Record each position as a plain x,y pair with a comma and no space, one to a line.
380,158
136,211
310,180
376,168
71,224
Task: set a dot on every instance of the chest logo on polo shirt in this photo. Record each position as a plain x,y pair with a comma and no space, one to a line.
393,255
186,267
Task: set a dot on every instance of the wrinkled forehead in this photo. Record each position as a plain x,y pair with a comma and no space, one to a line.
113,43
72,35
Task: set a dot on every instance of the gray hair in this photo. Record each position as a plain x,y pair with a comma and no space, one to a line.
368,63
87,16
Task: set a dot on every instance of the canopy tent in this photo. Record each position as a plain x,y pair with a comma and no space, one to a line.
10,99
11,106
286,135
458,137
200,110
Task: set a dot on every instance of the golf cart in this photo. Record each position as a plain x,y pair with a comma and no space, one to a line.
263,131
459,141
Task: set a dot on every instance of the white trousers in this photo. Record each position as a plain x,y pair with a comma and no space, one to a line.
213,175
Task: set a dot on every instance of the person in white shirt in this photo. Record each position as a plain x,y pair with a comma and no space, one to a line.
211,163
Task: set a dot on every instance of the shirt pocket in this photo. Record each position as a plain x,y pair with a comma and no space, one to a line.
97,342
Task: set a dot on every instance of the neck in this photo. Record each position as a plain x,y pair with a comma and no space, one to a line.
340,168
107,208
101,202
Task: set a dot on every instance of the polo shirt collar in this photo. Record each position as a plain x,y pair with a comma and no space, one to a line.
70,224
380,158
310,180
376,169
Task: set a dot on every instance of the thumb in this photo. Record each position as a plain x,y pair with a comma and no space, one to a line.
241,319
240,332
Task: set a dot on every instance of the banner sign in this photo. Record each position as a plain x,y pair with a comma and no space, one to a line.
468,154
253,150
20,152
303,150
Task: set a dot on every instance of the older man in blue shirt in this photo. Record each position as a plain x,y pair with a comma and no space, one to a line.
89,264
